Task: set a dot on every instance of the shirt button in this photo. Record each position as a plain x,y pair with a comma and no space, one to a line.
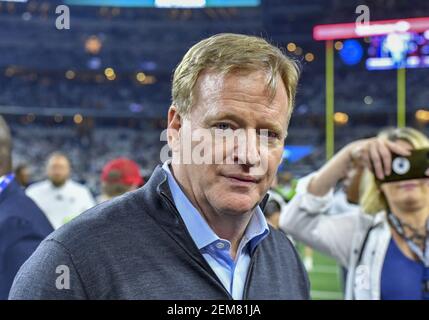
220,245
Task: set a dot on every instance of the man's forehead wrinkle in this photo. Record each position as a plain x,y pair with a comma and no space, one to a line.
218,95
263,102
269,122
211,82
221,108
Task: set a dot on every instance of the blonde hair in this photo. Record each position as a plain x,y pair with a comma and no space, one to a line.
225,53
372,199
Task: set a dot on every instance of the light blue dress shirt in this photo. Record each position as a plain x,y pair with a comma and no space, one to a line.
215,250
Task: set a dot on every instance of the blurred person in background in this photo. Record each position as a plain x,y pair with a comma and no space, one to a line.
385,244
285,186
119,176
59,197
22,224
346,200
23,175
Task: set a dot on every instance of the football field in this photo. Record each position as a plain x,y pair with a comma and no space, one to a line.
325,277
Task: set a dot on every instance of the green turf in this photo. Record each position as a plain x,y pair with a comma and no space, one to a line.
325,277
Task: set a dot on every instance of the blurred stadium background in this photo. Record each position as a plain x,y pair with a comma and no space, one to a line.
102,88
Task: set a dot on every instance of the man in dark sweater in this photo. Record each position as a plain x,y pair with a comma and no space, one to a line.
196,229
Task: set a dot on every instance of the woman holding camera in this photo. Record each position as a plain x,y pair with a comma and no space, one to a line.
385,244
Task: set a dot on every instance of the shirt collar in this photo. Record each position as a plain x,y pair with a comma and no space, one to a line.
257,229
199,229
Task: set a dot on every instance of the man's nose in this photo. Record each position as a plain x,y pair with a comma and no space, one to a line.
247,148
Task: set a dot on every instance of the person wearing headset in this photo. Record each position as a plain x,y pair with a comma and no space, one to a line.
385,244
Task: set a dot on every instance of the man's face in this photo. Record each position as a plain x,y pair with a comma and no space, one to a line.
24,176
238,103
58,170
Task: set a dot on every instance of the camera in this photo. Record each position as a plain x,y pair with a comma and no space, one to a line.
413,166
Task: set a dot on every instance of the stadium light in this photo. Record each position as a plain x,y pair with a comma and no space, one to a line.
309,57
110,74
422,115
70,74
291,47
341,118
78,118
93,45
140,77
338,45
368,100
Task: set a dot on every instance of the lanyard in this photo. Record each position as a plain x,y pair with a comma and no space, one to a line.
6,181
423,256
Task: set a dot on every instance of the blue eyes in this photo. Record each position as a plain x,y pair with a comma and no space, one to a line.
272,134
227,126
223,126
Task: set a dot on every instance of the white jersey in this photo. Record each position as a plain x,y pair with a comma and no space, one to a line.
61,204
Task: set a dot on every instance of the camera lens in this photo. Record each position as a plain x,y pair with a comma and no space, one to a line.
401,165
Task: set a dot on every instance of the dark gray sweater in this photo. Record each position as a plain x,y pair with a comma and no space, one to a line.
137,247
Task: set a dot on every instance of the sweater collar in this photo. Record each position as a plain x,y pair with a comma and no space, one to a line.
200,231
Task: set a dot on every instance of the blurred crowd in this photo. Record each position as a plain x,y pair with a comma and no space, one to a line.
87,155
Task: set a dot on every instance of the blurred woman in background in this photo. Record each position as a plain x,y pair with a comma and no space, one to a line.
385,244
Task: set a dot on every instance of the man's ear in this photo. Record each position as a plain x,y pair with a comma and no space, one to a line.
173,127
